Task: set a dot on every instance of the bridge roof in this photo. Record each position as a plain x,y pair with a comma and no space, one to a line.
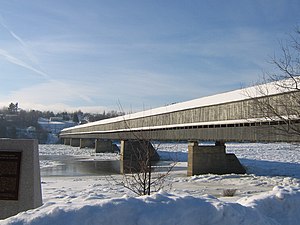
272,88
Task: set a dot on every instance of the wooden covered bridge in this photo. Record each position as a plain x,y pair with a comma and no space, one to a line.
243,115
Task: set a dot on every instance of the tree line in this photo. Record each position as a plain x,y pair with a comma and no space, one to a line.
13,118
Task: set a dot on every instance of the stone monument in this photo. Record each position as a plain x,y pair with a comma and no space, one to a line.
20,181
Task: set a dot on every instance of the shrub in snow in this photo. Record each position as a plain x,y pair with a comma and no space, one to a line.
229,192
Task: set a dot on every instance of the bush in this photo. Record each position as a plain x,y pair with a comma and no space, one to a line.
229,192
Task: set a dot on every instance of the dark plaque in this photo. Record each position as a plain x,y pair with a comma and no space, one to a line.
9,175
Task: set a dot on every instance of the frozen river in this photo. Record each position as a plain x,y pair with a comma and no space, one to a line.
276,159
267,165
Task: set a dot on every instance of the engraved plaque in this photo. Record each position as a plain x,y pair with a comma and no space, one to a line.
9,175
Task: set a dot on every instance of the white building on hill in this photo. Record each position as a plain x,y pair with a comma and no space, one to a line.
54,125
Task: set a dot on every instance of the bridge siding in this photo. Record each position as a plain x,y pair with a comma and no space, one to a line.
227,134
227,111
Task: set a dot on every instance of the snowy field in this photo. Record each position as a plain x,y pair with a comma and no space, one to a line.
73,193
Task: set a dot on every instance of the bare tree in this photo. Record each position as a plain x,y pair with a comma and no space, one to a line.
141,175
277,98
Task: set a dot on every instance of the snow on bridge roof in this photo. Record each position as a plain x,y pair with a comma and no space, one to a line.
272,88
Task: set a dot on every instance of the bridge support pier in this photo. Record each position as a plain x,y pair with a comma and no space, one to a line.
75,142
87,143
67,141
211,159
105,146
134,153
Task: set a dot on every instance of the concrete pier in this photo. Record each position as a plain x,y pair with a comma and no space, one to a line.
211,159
67,141
135,153
75,142
87,143
105,146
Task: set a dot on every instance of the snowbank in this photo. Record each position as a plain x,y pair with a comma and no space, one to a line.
280,206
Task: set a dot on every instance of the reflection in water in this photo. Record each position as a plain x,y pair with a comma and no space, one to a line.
82,168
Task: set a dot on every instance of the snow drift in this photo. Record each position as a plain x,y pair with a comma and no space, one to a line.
279,206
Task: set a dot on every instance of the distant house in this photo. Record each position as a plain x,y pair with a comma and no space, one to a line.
30,132
11,117
55,124
56,119
31,129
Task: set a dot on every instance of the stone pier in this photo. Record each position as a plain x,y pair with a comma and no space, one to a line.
105,146
75,142
67,141
87,143
211,159
135,152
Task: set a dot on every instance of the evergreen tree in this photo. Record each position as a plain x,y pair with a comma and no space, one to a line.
75,118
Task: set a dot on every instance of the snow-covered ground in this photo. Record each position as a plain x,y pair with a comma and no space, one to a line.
268,194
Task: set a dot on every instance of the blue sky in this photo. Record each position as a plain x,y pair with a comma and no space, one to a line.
95,55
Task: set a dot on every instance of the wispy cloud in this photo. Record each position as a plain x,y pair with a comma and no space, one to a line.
51,89
57,107
62,45
14,60
21,63
19,40
50,92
